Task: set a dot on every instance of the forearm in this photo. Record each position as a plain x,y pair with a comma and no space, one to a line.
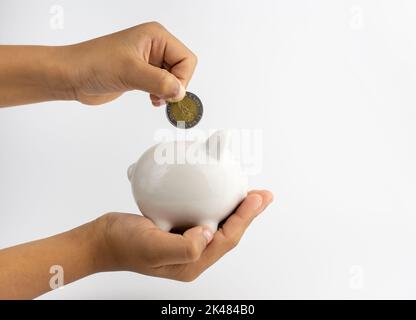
30,74
25,269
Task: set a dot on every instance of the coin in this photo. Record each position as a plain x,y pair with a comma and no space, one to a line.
186,113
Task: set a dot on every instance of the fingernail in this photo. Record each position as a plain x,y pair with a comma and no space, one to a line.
158,103
181,94
208,235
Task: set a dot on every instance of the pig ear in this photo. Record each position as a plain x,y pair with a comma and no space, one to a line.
130,171
218,143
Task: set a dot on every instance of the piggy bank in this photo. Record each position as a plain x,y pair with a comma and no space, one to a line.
181,184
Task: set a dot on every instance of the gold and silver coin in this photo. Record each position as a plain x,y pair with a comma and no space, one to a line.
186,113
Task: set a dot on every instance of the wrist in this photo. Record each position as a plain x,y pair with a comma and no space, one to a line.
57,73
86,240
102,253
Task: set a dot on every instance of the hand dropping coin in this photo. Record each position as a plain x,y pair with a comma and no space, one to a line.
186,113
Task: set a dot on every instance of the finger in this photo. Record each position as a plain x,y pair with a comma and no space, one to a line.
170,53
265,194
168,248
235,226
180,59
156,101
156,81
229,236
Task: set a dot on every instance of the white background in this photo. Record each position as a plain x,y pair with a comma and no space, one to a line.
332,84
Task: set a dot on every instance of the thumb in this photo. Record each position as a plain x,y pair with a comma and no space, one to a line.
178,249
156,81
198,238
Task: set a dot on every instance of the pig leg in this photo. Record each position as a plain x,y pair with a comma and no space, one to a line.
162,224
212,225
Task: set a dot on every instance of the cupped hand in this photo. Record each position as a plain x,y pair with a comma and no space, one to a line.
145,57
132,242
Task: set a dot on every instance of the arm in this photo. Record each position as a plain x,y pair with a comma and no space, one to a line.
116,242
146,57
31,74
24,269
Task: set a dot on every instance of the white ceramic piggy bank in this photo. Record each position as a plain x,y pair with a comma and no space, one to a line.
181,184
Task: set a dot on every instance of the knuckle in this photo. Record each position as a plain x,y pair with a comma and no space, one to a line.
194,58
109,216
154,25
232,242
107,220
